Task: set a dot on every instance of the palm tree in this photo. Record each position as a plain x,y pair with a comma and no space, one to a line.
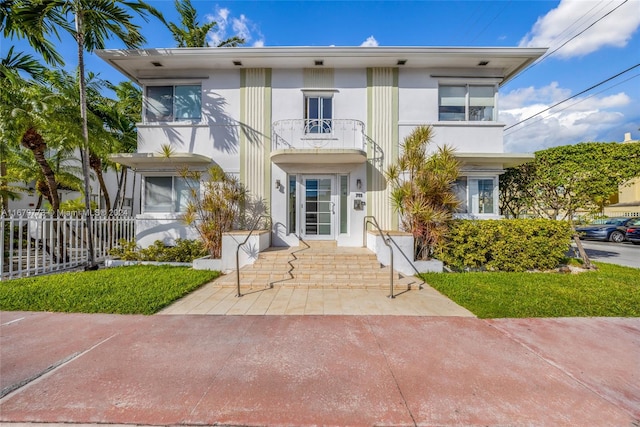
90,23
190,33
120,117
13,23
29,106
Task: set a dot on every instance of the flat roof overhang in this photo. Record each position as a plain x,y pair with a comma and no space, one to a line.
507,160
316,156
499,62
158,161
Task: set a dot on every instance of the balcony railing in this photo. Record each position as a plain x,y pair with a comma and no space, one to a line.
319,134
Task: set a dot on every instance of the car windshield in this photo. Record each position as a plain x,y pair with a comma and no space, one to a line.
615,221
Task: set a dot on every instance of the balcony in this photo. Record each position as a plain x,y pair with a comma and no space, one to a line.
319,141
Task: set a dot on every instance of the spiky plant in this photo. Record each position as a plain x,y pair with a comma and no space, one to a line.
422,189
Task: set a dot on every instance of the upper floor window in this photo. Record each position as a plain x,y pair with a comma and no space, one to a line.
318,112
173,103
467,103
168,193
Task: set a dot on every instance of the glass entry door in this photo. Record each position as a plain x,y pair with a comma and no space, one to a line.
318,207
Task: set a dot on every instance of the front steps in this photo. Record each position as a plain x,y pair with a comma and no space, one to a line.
319,265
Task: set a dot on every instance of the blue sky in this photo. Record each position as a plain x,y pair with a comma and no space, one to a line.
608,43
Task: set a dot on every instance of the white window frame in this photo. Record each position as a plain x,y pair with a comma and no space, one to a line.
173,117
467,100
320,125
174,195
472,196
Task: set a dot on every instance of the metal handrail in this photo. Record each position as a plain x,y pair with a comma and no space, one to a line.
255,224
370,219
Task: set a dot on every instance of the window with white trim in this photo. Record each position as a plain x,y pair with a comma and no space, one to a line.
318,113
173,103
476,195
168,193
466,103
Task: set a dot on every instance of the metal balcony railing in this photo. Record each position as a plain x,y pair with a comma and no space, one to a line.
319,134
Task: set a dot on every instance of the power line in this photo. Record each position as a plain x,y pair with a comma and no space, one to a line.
491,21
592,24
577,94
575,103
548,54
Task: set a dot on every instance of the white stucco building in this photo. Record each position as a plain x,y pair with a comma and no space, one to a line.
311,130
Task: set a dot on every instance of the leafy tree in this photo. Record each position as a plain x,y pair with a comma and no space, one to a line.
121,116
564,180
515,190
190,33
423,189
90,23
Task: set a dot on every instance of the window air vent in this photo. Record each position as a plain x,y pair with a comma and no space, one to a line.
237,63
483,63
319,62
156,64
402,61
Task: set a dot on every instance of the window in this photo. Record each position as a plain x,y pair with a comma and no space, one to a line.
292,204
477,196
466,103
173,103
168,193
485,196
318,112
344,208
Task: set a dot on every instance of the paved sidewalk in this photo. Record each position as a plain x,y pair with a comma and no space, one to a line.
283,300
318,370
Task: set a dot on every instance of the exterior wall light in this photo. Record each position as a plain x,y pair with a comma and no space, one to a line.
277,184
359,184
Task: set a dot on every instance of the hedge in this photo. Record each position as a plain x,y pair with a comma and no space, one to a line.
505,245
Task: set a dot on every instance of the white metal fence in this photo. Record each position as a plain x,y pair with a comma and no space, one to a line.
36,242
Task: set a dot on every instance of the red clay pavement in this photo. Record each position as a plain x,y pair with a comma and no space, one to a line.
318,370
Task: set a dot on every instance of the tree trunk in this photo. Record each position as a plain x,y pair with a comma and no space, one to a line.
4,183
96,165
91,264
33,141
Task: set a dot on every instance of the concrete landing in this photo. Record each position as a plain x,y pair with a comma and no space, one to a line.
318,370
281,300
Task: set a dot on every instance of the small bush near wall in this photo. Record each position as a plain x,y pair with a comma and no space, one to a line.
184,251
506,245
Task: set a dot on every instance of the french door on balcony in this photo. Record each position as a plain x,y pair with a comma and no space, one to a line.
318,207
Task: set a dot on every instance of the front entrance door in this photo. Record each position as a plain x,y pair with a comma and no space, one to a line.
318,207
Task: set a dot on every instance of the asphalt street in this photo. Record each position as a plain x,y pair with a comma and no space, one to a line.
625,254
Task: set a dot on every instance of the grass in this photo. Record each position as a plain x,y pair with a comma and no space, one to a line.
611,291
141,289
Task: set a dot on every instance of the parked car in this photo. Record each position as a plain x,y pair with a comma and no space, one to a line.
633,231
611,229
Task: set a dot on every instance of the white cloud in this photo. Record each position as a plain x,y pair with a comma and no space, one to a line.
370,42
580,119
573,16
241,27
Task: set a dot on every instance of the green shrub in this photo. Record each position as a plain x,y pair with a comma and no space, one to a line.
505,245
183,251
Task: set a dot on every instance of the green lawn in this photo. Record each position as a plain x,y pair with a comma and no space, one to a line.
611,291
141,289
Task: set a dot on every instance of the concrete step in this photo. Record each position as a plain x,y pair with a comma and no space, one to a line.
319,265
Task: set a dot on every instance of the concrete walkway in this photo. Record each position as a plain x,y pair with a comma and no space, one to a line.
283,300
318,370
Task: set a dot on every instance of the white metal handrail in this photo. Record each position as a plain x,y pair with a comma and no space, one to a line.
370,219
